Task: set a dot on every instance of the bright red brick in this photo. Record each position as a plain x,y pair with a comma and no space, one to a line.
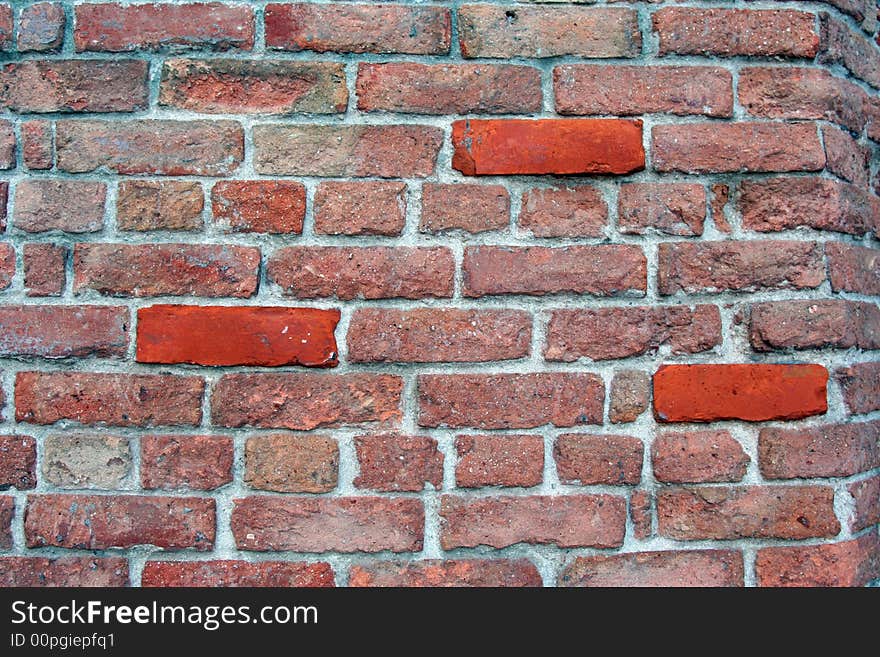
41,27
259,206
564,212
215,574
44,270
43,205
858,383
391,462
850,563
853,268
143,205
676,568
63,571
598,459
493,460
447,573
174,462
360,208
18,462
38,144
471,208
695,457
804,324
292,464
866,503
670,208
64,331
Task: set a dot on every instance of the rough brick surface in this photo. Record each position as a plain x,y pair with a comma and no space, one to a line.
698,457
606,459
292,464
814,324
850,563
489,460
360,208
858,383
37,144
186,462
629,394
692,568
18,462
834,450
69,206
672,209
866,500
853,268
471,208
41,27
259,206
63,571
448,573
564,212
64,331
215,574
143,205
86,461
45,272
390,462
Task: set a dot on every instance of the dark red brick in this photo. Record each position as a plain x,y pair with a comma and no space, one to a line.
471,208
64,331
43,205
564,212
866,503
447,573
853,268
391,462
493,460
598,459
670,208
37,144
214,574
859,385
675,568
698,457
45,272
850,563
360,208
63,571
18,462
814,325
174,462
41,27
258,206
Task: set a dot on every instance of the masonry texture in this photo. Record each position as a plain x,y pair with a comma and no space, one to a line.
535,293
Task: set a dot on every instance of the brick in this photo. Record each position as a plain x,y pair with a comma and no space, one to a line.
603,270
112,27
338,524
217,573
853,268
492,460
735,32
717,204
785,203
168,148
7,264
93,522
640,514
265,86
739,266
630,394
830,323
259,206
360,208
86,461
447,573
38,144
499,31
143,205
74,85
668,208
186,462
510,401
41,27
846,158
471,208
359,151
675,568
43,205
547,146
751,392
7,515
801,93
5,27
305,401
636,90
565,521
390,462
48,331
873,117
358,28
2,400
44,270
866,503
844,46
4,197
850,563
253,335
291,464
63,571
18,462
438,335
696,457
830,450
791,512
377,272
7,146
145,270
858,384
623,332
126,400
564,212
598,459
737,147
448,88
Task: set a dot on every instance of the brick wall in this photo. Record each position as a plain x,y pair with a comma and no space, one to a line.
439,293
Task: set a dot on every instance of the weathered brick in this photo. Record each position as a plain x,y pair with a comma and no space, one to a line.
360,208
48,331
44,270
5,27
630,393
43,205
866,503
492,460
636,90
264,86
547,146
736,147
833,323
63,571
289,463
752,392
105,398
738,266
438,335
186,462
564,521
112,27
447,573
144,270
717,204
603,270
143,205
391,462
338,524
564,212
695,457
471,208
93,522
7,145
74,85
858,383
670,208
641,515
83,460
846,158
305,401
792,512
37,144
853,268
18,462
259,206
676,568
499,31
383,151
377,272
844,46
623,332
510,401
41,27
359,28
850,563
7,264
162,147
7,515
598,459
217,573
